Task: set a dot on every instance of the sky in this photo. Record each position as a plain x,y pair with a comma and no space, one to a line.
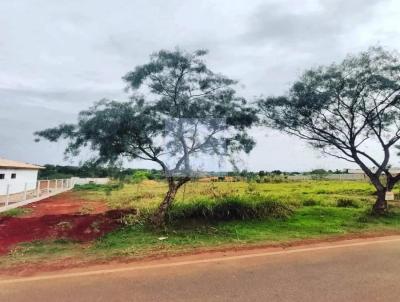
59,57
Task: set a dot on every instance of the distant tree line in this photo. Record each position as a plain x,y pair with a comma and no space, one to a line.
122,174
136,175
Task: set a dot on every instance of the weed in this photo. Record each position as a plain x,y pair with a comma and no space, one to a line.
97,187
15,212
347,203
310,202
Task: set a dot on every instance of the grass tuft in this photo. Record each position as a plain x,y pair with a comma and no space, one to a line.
347,203
15,212
311,202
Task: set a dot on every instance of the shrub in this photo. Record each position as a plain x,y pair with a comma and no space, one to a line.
132,219
96,187
139,176
251,188
15,212
347,203
229,208
310,202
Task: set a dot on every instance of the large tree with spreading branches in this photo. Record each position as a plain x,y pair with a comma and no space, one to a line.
350,111
178,110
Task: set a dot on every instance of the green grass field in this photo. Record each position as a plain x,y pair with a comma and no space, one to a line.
319,209
148,194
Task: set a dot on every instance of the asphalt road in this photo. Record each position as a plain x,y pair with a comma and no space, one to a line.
349,271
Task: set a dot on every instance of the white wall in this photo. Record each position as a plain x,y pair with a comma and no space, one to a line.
83,181
17,185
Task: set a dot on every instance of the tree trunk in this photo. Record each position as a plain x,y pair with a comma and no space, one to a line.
158,219
380,206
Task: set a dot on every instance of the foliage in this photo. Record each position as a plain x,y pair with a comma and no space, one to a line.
132,129
140,175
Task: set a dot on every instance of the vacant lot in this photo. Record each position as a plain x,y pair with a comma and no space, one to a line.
313,210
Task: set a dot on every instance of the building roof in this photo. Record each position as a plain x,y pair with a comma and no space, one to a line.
6,163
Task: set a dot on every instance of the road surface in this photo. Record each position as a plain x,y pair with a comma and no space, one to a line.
346,271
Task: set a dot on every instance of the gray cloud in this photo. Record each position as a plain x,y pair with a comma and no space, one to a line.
324,22
57,58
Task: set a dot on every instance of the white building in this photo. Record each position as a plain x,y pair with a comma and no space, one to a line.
16,177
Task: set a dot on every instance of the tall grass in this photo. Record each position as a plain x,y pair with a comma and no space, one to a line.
229,208
148,194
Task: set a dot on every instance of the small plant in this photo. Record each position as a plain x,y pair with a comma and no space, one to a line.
251,188
95,225
140,176
86,210
310,202
138,218
107,188
145,195
347,203
15,212
65,225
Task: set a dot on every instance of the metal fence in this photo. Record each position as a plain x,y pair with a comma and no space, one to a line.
15,194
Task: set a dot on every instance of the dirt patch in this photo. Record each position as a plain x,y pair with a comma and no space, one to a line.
77,227
65,203
64,216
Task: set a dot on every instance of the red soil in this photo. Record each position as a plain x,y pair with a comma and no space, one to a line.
63,216
66,203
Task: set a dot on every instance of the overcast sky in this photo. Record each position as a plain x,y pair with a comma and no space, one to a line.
58,57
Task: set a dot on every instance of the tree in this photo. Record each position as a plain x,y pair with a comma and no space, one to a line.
319,171
178,109
343,108
276,172
140,175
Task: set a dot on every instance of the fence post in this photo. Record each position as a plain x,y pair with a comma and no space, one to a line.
25,188
62,184
48,187
8,194
38,189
